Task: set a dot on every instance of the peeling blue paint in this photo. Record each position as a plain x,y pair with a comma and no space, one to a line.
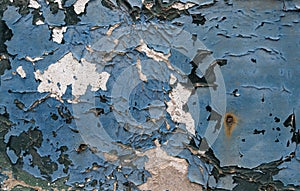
101,138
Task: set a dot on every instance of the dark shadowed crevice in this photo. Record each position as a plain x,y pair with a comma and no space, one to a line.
5,34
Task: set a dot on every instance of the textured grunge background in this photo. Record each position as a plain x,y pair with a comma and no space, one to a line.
149,95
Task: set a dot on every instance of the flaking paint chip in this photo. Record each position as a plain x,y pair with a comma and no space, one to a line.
21,72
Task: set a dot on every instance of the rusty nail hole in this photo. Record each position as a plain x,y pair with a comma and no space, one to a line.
230,122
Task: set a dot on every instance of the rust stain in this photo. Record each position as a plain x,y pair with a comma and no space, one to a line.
230,121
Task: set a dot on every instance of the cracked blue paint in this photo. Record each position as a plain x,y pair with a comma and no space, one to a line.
258,40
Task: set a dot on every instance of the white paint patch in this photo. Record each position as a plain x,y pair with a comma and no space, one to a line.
173,79
34,4
39,22
69,71
58,34
21,72
182,6
179,97
59,3
142,76
151,53
112,28
32,60
79,6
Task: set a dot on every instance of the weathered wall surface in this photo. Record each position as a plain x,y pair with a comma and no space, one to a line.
149,95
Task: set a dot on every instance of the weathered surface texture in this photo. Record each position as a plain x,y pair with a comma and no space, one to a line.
149,95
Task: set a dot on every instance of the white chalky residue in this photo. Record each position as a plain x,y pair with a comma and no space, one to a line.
151,53
21,72
58,34
179,97
112,28
182,6
59,3
142,76
34,4
69,71
173,79
39,22
79,6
